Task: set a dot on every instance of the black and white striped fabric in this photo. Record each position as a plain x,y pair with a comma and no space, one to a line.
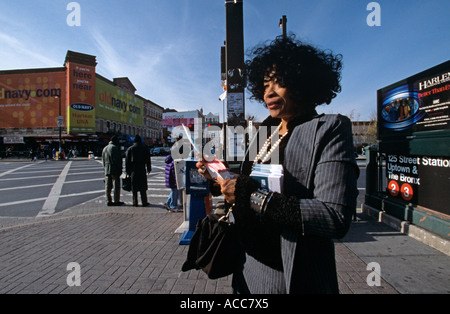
321,171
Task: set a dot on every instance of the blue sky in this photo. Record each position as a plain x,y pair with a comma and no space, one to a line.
170,49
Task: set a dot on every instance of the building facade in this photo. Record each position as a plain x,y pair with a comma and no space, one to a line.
171,118
212,119
72,107
364,134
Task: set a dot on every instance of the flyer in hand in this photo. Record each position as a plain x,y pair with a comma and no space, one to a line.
216,168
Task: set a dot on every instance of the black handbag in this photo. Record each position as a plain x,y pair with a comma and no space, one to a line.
126,183
214,247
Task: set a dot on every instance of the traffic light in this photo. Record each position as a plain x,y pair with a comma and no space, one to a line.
191,127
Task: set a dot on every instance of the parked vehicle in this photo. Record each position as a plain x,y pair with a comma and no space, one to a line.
166,151
155,151
160,151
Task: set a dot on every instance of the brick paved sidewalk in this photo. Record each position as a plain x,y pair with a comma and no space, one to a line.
118,252
122,250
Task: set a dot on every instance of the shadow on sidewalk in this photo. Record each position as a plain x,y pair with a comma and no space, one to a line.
367,229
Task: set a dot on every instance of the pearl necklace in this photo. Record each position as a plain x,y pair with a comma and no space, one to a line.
263,155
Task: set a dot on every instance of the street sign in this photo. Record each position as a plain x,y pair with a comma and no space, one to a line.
420,180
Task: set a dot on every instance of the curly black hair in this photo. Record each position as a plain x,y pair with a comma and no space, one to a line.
311,75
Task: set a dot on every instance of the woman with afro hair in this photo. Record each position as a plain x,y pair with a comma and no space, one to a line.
287,238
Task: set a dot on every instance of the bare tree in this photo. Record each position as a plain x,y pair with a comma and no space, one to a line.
373,126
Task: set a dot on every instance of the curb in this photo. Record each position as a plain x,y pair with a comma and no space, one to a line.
415,232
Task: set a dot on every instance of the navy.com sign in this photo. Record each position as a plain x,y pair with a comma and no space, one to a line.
418,103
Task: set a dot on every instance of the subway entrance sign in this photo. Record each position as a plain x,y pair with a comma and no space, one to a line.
414,134
420,180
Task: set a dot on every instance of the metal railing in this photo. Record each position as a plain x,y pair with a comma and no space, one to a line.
376,180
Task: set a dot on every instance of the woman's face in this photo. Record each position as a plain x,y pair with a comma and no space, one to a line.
278,100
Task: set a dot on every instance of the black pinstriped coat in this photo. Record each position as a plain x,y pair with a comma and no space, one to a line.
291,249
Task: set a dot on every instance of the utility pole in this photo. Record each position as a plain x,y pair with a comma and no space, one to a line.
282,24
235,76
60,125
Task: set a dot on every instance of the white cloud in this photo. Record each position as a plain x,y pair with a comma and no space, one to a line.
169,72
18,53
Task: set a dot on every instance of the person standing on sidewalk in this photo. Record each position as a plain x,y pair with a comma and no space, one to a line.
288,237
112,163
172,202
138,164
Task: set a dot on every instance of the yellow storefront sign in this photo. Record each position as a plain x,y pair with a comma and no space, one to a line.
114,104
81,102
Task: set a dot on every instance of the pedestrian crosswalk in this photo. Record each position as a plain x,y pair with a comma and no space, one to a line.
157,187
35,189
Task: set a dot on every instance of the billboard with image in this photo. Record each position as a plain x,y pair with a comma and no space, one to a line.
112,103
31,99
416,104
81,104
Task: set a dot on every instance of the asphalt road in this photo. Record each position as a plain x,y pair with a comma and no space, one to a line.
43,188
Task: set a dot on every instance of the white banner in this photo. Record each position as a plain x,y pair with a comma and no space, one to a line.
13,140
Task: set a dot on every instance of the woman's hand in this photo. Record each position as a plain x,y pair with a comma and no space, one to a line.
227,187
202,170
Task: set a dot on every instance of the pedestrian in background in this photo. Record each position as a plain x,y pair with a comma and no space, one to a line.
138,164
112,163
172,202
32,155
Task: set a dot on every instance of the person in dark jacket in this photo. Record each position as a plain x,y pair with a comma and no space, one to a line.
112,163
288,237
172,202
138,164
